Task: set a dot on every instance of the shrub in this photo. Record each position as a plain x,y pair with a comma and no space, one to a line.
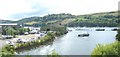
59,30
53,54
118,35
8,51
106,50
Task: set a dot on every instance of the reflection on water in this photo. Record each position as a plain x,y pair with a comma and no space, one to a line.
71,44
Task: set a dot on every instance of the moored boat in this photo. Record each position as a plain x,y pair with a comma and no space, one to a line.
115,29
83,35
100,29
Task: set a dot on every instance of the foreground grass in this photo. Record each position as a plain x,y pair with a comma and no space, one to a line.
112,49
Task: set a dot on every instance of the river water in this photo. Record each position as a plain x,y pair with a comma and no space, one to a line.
71,44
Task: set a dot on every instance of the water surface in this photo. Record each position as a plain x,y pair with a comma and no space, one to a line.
71,44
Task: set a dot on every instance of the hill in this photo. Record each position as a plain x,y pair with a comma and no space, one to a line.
108,19
5,21
105,19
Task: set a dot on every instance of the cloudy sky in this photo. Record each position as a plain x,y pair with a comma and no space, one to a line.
17,9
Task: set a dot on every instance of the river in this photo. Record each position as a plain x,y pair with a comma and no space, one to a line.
71,44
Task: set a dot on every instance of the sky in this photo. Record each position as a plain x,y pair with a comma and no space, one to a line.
18,9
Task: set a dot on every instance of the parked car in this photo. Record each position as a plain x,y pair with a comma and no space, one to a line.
33,32
10,43
26,33
22,41
19,41
31,39
6,37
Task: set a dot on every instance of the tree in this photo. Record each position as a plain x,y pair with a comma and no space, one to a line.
10,31
23,30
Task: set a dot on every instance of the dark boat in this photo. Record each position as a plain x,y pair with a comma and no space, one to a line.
100,29
83,35
114,29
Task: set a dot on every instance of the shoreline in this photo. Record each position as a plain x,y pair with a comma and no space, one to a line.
36,43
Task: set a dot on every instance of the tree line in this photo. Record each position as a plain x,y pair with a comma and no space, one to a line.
109,19
14,31
59,30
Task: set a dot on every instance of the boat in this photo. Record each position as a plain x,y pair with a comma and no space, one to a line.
115,29
100,29
83,35
69,30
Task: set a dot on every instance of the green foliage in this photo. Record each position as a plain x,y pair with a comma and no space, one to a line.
118,35
41,21
28,56
109,19
106,50
23,30
47,18
8,51
50,35
59,30
54,54
99,19
110,50
9,31
14,31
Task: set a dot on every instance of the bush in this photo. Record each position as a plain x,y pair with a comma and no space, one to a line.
106,50
59,30
118,35
8,51
53,54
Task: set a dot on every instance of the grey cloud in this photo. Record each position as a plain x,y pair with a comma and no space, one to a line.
23,15
40,10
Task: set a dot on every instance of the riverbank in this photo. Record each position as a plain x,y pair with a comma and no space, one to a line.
11,50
